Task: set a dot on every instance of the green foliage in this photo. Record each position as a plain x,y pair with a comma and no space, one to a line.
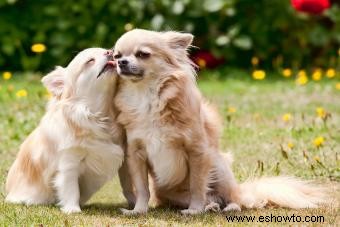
235,29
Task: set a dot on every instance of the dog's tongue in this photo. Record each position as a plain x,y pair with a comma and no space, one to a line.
113,63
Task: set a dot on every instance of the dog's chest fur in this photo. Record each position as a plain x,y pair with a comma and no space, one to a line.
90,135
140,114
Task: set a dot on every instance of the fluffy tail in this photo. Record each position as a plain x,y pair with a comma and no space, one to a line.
281,191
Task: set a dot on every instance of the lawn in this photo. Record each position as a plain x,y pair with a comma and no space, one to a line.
271,126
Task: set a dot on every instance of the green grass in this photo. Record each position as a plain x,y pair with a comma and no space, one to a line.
255,133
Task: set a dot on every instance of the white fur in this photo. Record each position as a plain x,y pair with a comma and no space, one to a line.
77,141
284,191
170,172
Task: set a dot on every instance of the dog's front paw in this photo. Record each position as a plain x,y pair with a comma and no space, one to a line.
191,211
232,207
132,212
70,209
214,207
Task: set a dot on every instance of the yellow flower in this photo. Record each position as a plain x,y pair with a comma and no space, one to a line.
7,75
201,63
21,93
231,109
287,72
318,141
290,145
320,112
317,74
38,48
255,61
337,86
128,27
330,73
259,74
287,117
302,78
302,73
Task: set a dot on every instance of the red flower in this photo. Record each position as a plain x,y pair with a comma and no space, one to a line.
311,6
205,59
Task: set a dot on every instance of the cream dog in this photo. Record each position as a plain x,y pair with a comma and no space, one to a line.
172,134
77,146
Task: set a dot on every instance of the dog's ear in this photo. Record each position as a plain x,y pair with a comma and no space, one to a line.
55,81
177,40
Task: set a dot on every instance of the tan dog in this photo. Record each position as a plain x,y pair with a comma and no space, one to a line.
172,134
77,146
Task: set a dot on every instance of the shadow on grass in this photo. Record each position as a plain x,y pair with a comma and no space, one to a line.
163,213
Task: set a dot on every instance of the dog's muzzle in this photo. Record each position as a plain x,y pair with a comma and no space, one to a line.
110,64
128,69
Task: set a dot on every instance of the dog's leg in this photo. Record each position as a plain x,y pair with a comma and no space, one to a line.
139,174
181,198
226,185
126,184
199,168
66,181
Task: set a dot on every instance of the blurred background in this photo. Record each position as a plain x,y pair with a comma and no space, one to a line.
272,35
271,67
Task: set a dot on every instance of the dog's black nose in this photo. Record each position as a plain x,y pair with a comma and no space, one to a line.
123,62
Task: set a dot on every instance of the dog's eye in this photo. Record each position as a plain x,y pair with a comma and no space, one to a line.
117,56
90,61
141,54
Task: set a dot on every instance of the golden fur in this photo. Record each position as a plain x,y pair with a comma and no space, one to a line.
172,133
177,110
